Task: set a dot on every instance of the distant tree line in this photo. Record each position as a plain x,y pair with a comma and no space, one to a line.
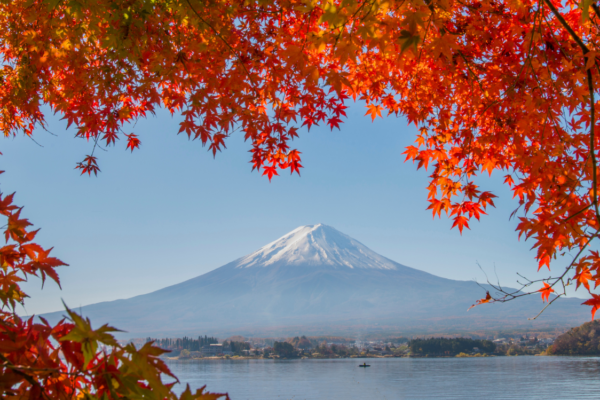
302,342
583,340
297,346
450,346
284,349
237,348
184,343
397,340
340,350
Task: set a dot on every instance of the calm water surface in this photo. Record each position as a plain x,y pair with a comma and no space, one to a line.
525,377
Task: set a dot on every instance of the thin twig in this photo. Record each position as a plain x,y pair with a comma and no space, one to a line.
547,305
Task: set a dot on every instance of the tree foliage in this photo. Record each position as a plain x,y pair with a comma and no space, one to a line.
449,346
302,343
69,359
184,343
521,103
506,86
237,348
284,349
583,340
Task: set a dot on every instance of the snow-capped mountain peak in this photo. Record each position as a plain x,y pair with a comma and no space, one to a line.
316,245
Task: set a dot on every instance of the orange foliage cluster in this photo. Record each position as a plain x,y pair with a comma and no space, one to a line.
493,85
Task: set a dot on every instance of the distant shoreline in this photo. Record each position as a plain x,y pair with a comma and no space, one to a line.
271,358
229,358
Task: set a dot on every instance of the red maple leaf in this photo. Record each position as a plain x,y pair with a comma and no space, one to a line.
133,142
461,221
594,302
88,165
270,171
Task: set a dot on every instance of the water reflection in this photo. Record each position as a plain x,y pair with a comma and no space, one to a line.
525,377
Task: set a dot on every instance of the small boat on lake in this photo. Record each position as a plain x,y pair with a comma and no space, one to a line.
364,365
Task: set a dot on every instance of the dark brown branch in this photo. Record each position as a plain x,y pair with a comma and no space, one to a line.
592,142
18,371
596,10
577,213
567,27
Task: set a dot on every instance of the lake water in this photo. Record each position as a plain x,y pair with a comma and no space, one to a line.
523,377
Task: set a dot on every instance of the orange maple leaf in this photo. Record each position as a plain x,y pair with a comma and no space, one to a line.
461,221
487,299
545,291
411,153
583,277
544,260
374,111
437,206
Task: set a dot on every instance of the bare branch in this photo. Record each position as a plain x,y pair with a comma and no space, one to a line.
547,305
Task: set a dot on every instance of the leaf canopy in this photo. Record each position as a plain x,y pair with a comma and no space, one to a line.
492,85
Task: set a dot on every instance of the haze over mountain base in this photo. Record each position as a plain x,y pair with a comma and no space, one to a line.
316,280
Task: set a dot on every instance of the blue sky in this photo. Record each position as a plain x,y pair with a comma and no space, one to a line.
170,212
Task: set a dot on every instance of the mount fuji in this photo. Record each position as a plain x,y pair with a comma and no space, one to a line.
317,280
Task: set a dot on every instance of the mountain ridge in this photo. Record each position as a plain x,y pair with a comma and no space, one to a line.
315,278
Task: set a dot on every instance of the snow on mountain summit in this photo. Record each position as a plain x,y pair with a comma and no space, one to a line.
316,245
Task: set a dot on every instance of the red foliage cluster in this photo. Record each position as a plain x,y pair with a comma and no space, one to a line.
70,359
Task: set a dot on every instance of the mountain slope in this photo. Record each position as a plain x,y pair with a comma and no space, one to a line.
317,279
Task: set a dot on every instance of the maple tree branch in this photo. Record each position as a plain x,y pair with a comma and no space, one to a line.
596,9
543,309
592,102
425,36
23,368
528,56
346,23
576,257
508,296
226,44
577,213
18,371
471,71
592,141
566,25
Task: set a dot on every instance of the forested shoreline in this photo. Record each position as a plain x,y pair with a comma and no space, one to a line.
238,347
583,340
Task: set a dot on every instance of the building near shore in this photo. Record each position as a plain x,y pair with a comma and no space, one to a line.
215,350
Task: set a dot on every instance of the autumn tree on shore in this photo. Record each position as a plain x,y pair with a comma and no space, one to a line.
583,340
493,85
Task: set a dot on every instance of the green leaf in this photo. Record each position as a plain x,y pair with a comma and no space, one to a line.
408,39
83,333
